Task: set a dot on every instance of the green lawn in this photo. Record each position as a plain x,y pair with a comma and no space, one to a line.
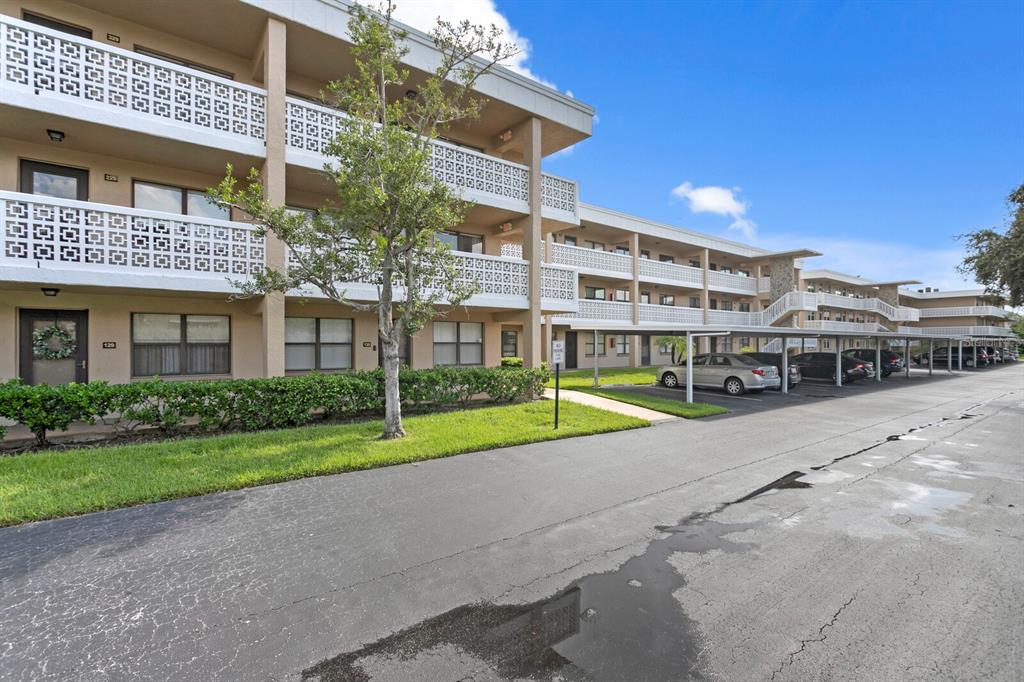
584,378
57,483
667,405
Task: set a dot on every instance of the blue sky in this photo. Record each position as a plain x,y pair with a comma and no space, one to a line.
855,128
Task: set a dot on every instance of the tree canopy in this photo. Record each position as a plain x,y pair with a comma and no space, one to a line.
996,258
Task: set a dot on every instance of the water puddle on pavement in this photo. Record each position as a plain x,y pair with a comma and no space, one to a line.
603,626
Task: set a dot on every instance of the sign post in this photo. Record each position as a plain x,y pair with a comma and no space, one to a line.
557,357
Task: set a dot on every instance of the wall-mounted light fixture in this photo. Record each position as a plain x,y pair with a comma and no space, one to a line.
55,135
50,291
411,94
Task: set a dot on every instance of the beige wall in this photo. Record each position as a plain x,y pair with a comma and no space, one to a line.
110,320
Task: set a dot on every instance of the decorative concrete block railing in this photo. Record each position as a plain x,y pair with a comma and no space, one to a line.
958,332
604,262
559,287
671,314
110,243
906,314
737,283
764,285
963,311
611,311
670,273
775,345
47,70
872,305
837,326
310,128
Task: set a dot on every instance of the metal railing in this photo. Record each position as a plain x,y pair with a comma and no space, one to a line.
838,326
957,332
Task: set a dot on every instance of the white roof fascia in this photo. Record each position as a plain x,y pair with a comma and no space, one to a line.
331,17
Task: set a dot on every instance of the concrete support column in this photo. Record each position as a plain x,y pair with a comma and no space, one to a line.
689,368
705,298
634,298
839,364
878,359
533,243
960,355
906,350
974,350
949,356
270,64
931,356
785,366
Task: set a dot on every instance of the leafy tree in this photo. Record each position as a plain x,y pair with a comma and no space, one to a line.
388,207
1017,324
676,344
996,260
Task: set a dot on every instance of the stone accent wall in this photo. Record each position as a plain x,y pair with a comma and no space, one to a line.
783,277
889,294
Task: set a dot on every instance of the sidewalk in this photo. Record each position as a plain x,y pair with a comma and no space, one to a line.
611,405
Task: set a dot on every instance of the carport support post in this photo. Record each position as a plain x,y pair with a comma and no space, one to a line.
906,357
974,350
785,367
960,355
949,356
931,356
597,351
839,364
689,368
878,359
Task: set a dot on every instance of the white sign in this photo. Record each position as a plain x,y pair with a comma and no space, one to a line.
557,352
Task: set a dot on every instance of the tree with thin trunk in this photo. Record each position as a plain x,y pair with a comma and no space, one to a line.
996,259
381,226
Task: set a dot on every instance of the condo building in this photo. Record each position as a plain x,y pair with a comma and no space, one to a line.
115,117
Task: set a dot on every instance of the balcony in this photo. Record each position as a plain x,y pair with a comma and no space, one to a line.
610,313
964,311
667,314
871,305
736,284
482,179
46,70
670,273
58,241
959,332
593,261
837,326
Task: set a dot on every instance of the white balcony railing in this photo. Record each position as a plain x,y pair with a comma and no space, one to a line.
734,318
958,332
609,311
48,238
48,70
838,326
964,311
594,260
906,314
671,314
670,273
559,287
872,305
764,285
731,282
485,179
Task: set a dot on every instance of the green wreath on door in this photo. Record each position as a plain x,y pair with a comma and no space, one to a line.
43,345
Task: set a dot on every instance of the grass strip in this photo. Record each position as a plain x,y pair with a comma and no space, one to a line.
584,378
55,483
666,405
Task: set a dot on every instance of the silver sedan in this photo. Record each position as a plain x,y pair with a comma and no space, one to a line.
734,372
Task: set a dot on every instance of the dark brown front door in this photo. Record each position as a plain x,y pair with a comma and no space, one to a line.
51,180
35,367
570,350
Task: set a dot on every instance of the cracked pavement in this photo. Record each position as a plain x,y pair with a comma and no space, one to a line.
639,555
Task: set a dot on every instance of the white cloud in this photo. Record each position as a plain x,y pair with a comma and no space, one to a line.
721,201
423,14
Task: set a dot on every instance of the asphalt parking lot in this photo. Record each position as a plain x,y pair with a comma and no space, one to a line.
807,390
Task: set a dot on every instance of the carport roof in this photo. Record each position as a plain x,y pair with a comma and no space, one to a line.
604,327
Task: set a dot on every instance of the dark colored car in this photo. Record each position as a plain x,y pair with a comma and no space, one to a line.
795,377
823,366
993,355
942,357
891,362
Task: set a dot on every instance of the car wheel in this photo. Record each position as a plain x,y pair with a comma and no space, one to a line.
669,380
733,386
885,374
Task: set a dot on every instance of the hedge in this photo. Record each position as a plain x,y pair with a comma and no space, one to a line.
254,404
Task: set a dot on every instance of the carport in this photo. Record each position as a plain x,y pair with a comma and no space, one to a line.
784,334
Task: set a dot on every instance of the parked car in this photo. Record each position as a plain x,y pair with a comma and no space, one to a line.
1008,355
994,356
735,373
942,356
795,377
823,366
891,362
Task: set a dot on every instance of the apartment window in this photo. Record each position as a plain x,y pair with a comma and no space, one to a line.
51,180
726,305
644,253
509,344
180,61
667,299
462,241
622,295
694,302
170,199
596,246
622,250
594,293
180,344
713,304
63,27
645,297
665,348
713,266
621,344
810,287
726,269
694,263
588,345
569,241
458,343
743,273
666,259
726,344
312,343
744,308
744,342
